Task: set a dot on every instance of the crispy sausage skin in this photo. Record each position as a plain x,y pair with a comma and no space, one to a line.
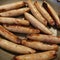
17,21
15,12
37,56
44,38
21,29
15,47
39,45
44,13
11,6
8,35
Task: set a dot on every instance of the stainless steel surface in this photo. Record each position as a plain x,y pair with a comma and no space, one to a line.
4,55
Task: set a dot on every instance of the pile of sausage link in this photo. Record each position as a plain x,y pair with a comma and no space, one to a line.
34,25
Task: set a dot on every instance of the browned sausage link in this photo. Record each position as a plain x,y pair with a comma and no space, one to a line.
15,47
36,23
10,36
21,29
36,13
39,45
37,56
52,12
45,38
16,12
11,6
44,13
7,20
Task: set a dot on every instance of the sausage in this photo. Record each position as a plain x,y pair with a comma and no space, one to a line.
37,56
36,13
8,35
52,13
11,6
21,29
15,12
39,45
14,47
36,23
7,20
44,13
44,38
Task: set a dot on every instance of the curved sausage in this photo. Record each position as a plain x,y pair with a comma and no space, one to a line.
21,29
36,23
37,56
44,13
14,47
15,12
44,38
